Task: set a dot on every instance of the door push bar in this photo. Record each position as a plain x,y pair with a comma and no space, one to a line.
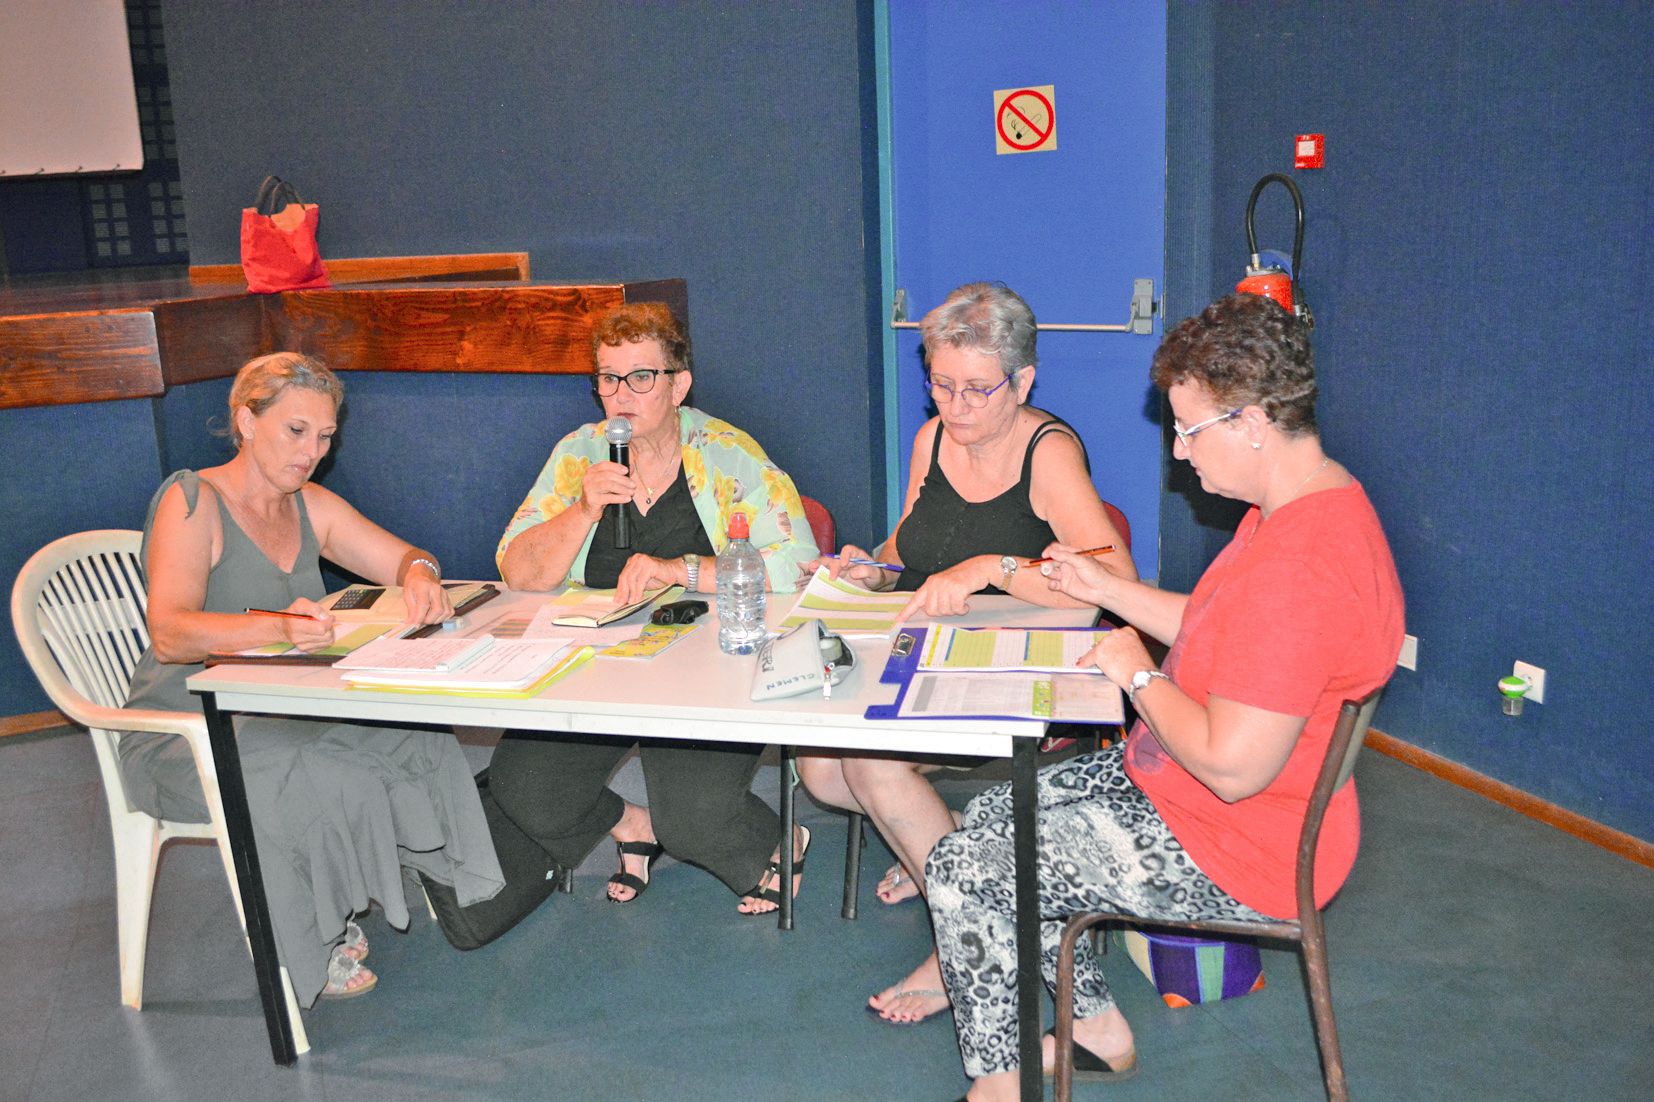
1141,319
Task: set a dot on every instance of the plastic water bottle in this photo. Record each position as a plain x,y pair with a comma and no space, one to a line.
741,581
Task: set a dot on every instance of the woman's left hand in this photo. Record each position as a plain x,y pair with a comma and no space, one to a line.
425,599
1119,654
643,573
948,592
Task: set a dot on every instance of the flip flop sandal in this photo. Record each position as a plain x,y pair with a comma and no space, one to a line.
341,971
650,852
1091,1068
772,871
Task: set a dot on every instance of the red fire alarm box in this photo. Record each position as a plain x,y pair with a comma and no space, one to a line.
1309,151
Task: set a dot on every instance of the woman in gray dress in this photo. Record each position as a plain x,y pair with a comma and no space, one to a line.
337,809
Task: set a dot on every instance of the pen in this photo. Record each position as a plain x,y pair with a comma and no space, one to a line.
277,612
1093,551
893,567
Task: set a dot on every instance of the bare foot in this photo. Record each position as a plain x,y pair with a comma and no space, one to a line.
766,897
896,886
634,826
919,995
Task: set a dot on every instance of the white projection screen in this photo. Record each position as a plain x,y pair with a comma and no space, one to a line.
66,98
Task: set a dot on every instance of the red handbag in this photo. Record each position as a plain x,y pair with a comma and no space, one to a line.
278,241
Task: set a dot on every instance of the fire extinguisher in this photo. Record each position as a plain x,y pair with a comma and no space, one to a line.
1268,274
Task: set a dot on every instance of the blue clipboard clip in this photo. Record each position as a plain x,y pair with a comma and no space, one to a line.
904,656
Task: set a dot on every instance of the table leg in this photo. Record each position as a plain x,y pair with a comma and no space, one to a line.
239,825
852,864
788,817
1024,803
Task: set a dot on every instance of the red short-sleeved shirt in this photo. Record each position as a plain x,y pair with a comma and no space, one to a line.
1297,615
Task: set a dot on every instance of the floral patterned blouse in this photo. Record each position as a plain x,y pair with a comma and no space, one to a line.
727,472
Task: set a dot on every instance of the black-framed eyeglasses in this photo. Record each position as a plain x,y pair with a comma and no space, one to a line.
975,396
1188,434
641,381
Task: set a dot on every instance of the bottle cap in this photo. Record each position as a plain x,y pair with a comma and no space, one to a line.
1514,687
738,528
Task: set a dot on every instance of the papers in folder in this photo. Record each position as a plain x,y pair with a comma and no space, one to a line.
1063,697
1005,673
845,607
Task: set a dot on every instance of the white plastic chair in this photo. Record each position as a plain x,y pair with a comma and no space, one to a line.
79,608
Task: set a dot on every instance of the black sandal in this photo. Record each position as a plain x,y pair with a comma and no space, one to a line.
650,852
761,894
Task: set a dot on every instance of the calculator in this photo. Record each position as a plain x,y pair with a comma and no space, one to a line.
358,597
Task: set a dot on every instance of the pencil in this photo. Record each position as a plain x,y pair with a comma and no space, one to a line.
1093,551
277,612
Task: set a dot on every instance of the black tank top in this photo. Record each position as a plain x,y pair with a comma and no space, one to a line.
670,530
944,529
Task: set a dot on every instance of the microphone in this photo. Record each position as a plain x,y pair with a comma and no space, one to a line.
618,432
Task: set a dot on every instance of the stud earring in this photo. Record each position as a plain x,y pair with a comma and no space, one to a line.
1256,445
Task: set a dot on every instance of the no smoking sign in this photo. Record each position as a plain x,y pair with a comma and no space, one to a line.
1025,119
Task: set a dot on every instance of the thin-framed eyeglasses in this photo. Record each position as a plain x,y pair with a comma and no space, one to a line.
1188,434
641,381
975,396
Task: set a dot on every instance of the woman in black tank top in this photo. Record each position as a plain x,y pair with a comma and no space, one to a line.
993,482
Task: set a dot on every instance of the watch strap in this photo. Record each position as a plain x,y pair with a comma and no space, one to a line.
692,572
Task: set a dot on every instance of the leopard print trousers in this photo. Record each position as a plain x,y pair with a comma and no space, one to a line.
1102,846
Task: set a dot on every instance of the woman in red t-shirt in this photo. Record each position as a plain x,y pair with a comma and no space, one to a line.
1197,815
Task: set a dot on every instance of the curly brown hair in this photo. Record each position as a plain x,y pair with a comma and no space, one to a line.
643,321
1244,350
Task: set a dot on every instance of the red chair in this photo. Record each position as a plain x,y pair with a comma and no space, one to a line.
821,525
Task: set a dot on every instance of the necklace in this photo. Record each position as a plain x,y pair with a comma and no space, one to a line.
648,490
1302,482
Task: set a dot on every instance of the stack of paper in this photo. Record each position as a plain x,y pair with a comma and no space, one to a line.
504,667
432,654
845,607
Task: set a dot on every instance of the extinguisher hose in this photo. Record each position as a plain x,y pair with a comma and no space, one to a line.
1298,234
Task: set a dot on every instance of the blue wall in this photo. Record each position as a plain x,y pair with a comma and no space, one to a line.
1479,260
723,143
1068,230
68,469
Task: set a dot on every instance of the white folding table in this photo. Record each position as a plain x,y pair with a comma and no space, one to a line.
690,691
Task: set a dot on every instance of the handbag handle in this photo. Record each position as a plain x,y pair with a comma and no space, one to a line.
274,194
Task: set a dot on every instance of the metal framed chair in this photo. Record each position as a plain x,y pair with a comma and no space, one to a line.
1307,931
78,608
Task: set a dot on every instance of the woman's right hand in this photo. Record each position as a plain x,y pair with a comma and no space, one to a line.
1081,577
311,629
868,577
605,483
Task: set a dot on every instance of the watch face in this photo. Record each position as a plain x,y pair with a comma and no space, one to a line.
1007,565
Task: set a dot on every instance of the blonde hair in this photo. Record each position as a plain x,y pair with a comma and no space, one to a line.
262,381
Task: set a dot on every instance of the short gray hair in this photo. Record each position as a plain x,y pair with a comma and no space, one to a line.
983,317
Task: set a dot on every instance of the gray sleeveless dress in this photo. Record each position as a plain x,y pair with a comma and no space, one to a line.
337,808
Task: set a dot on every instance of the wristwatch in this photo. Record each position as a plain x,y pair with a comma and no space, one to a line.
692,572
1140,681
1008,566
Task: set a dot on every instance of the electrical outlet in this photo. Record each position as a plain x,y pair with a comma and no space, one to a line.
1409,658
1536,681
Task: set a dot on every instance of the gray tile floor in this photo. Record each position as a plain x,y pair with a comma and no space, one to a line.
1476,955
